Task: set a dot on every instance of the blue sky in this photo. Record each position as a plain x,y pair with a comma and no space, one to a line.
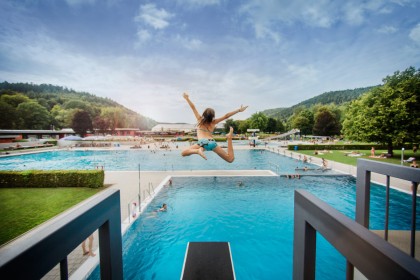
262,53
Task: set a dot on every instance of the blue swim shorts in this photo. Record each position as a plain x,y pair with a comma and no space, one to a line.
207,144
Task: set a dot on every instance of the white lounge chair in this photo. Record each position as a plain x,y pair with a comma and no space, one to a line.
410,159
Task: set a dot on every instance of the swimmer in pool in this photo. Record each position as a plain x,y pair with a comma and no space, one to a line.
206,123
163,208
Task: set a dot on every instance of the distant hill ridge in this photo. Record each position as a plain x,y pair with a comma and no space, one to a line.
337,97
48,96
47,90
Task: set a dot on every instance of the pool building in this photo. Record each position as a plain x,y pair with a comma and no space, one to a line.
307,216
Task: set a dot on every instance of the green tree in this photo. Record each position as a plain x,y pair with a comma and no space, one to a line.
389,114
274,125
14,99
258,120
79,104
82,123
115,117
326,123
304,121
243,125
62,118
9,118
33,115
231,123
100,124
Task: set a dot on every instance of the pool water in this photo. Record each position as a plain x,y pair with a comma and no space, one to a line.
118,160
255,217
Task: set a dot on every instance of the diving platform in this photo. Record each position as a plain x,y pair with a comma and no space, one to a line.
208,260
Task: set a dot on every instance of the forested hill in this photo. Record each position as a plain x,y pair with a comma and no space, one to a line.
31,106
337,97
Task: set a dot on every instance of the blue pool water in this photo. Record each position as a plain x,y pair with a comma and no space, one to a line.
148,160
256,218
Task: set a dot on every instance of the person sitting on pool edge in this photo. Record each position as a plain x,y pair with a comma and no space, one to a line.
205,127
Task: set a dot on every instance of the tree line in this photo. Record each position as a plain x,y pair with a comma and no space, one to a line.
29,106
336,97
387,114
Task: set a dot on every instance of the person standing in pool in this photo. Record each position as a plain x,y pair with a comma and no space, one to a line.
205,127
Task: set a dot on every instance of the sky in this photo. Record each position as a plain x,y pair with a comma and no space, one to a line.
262,53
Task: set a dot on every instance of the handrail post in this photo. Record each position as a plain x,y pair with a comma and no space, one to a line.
413,219
139,188
110,247
304,246
64,269
387,206
363,196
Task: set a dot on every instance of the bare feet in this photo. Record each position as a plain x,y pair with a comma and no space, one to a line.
201,153
230,134
92,254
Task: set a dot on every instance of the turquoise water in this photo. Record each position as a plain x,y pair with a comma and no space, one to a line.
256,218
149,160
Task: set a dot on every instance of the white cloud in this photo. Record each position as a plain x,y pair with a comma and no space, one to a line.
267,16
319,13
79,2
387,29
263,31
304,73
198,3
154,17
189,44
143,36
354,13
415,34
403,2
315,15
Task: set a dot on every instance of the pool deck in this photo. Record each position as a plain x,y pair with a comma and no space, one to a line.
128,184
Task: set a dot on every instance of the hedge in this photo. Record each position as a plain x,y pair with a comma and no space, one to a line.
52,178
338,147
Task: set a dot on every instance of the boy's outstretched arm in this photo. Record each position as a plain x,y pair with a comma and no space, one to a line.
187,97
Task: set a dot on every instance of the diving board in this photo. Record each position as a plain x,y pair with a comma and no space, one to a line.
208,260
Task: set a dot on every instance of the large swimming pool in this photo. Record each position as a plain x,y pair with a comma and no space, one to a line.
159,160
256,217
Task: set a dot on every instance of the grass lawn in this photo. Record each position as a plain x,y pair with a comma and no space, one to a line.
22,209
340,156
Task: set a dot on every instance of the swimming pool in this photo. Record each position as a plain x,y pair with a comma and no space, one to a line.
160,160
256,217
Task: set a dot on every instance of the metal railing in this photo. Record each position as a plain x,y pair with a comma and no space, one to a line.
37,252
374,257
364,169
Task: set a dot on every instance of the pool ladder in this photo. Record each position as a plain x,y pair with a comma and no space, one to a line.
149,190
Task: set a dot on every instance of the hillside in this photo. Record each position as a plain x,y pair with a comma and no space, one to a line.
31,106
337,97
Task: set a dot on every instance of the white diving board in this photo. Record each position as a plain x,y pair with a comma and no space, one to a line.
208,260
